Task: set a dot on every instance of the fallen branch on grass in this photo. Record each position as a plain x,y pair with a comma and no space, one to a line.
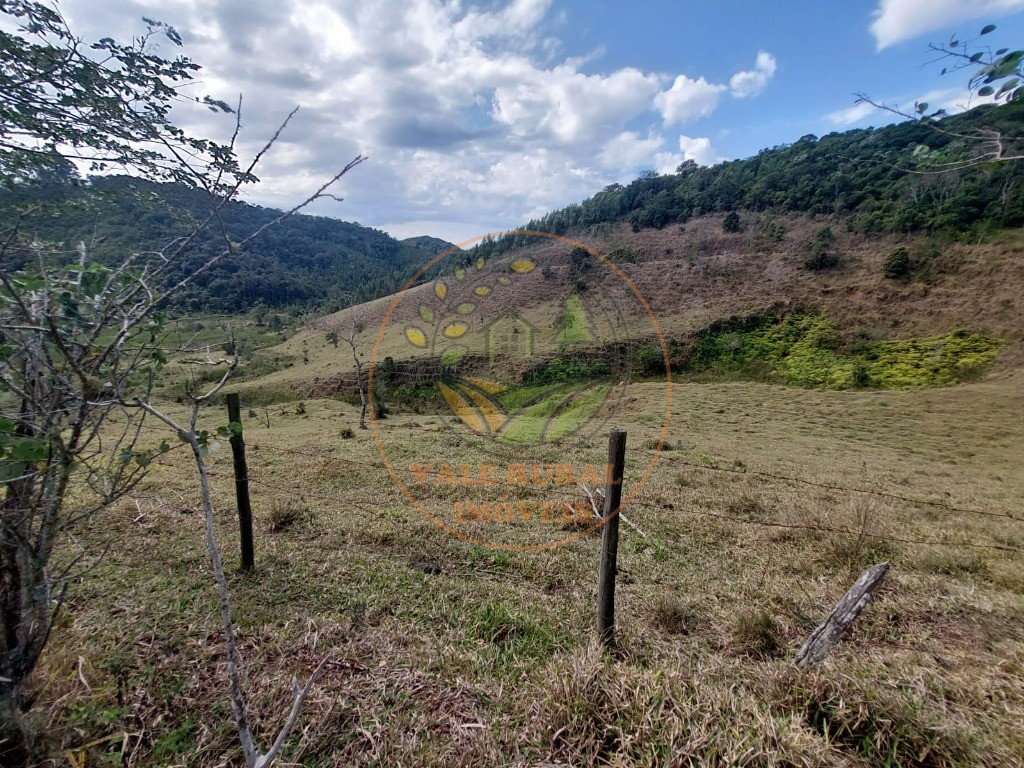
827,636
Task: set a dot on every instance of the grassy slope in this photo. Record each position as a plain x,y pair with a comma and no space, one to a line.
696,276
491,662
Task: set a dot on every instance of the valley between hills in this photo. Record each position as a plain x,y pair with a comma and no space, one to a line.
817,357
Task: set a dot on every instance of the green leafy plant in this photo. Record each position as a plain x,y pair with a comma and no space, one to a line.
650,358
817,251
580,263
804,351
897,265
565,369
773,231
731,222
514,634
996,73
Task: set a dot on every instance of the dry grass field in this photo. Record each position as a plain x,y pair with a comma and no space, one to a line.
763,506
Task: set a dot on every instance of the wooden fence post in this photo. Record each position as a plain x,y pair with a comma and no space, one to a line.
610,537
241,482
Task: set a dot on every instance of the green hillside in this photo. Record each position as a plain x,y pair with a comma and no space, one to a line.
304,261
864,176
832,262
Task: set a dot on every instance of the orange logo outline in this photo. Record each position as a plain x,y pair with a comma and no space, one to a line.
664,426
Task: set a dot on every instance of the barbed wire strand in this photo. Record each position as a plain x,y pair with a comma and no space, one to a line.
730,470
306,492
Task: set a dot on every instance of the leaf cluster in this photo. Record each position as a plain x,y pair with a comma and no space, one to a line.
106,104
997,73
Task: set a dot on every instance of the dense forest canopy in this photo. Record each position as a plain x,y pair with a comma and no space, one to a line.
872,177
304,261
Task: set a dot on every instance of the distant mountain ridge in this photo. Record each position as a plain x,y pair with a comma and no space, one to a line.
305,261
857,179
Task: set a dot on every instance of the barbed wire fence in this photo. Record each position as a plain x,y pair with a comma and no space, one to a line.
288,488
282,488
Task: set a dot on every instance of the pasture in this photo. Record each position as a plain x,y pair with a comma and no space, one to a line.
763,506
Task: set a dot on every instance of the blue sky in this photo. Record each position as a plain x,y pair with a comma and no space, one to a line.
479,116
826,52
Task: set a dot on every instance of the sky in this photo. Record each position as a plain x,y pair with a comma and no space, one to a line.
478,116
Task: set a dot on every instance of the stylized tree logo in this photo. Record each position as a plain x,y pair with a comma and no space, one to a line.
546,411
523,360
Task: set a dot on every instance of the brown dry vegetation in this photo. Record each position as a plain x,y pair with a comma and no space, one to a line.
693,275
763,506
492,661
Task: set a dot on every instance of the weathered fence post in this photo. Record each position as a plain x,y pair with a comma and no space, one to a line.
241,482
827,636
610,537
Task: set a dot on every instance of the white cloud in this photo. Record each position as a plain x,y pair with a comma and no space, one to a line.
566,106
520,17
752,82
628,151
667,162
688,99
469,118
699,150
898,20
851,115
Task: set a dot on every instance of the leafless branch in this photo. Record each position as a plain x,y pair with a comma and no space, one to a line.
596,508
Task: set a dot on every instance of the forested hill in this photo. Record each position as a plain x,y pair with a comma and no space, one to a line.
304,261
860,174
322,263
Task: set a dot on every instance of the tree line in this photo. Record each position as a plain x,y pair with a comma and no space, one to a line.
878,179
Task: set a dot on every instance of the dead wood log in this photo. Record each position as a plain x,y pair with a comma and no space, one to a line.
827,636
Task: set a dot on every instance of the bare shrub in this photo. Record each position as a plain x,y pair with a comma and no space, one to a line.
860,541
